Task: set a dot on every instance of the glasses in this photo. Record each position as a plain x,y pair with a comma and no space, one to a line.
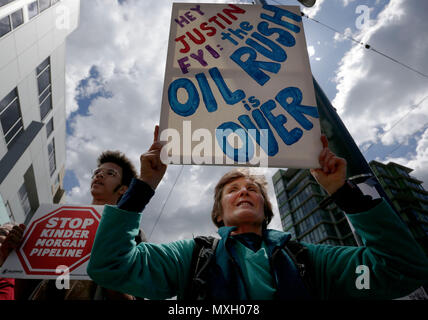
108,172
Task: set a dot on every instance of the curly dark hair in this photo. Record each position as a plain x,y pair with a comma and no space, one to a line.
116,157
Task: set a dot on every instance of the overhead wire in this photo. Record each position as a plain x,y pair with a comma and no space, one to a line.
369,47
412,108
401,143
165,202
365,45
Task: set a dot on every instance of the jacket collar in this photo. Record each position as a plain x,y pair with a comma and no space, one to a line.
272,238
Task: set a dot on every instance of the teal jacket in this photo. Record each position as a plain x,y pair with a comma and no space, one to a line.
396,265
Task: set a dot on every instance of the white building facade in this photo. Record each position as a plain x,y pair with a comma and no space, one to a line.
32,103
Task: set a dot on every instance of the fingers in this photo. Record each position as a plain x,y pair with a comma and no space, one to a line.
5,229
156,143
18,230
14,238
324,141
153,158
156,134
329,162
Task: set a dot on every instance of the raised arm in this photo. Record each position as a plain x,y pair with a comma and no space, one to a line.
392,261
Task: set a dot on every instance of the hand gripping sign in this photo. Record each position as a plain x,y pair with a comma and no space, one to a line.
238,88
56,236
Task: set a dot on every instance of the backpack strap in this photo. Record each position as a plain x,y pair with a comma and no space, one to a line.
299,255
203,252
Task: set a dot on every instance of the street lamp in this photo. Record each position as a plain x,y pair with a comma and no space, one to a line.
307,3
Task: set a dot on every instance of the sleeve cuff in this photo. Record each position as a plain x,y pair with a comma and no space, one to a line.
351,199
136,197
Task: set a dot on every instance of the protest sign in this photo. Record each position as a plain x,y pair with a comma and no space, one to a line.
58,239
238,88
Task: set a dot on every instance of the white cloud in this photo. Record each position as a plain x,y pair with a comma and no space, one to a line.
313,11
347,34
374,93
346,2
417,161
127,46
311,51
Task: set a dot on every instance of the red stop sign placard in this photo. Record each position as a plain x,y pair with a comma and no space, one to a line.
61,237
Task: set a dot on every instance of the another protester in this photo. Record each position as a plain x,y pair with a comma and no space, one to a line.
110,180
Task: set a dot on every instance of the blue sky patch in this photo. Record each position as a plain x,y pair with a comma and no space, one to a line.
83,100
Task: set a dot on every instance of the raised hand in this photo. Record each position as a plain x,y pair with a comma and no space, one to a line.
332,174
152,169
10,239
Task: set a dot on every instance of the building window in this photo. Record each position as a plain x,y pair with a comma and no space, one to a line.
57,180
5,2
17,18
45,88
25,202
282,198
382,170
44,4
49,127
287,221
5,26
284,208
10,22
10,117
33,9
9,212
402,171
279,186
51,154
298,186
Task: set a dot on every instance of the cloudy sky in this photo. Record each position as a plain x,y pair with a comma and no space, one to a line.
114,76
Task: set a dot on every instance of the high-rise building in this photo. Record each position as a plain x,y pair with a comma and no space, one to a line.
408,197
299,195
32,103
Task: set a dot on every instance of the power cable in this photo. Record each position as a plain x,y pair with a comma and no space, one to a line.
369,47
165,202
399,146
365,45
412,108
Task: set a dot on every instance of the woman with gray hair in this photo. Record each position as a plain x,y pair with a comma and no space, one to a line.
250,261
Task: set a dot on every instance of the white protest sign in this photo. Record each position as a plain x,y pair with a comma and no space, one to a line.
238,88
58,237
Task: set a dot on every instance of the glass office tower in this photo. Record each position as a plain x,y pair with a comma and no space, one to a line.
299,196
408,197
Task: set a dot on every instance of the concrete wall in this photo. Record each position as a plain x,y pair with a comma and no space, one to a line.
21,51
